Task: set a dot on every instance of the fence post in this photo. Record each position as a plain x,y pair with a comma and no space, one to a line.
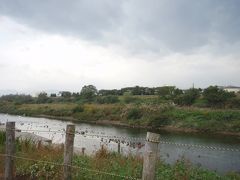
119,144
68,151
150,156
83,150
10,150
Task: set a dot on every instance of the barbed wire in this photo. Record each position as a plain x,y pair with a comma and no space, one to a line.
73,166
106,173
128,139
200,146
167,142
82,133
35,122
112,137
34,130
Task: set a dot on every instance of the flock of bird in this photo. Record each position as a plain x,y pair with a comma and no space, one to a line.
38,128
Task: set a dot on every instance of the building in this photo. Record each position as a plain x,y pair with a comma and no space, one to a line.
234,89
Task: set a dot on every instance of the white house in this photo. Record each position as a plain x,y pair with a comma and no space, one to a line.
231,88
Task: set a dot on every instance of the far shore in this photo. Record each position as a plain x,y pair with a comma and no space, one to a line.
121,124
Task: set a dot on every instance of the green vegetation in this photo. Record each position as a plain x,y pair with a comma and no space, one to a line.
211,109
107,99
102,161
157,116
216,97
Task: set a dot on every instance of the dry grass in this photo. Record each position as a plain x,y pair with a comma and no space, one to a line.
55,106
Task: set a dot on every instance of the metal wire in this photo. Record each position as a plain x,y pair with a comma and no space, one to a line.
130,139
112,137
77,167
200,146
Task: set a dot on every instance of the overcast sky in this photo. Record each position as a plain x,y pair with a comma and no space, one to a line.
63,45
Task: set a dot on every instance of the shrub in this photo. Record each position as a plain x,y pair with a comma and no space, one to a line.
159,119
2,137
134,113
216,97
201,103
233,103
107,100
188,98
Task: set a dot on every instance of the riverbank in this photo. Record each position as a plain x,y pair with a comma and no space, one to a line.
121,124
155,117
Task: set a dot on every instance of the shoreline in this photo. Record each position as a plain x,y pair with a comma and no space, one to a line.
169,129
120,124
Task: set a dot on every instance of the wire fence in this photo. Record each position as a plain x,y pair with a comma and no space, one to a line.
123,139
109,138
72,166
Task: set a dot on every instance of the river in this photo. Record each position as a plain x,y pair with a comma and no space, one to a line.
221,161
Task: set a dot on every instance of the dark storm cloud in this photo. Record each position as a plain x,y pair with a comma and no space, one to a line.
84,18
138,25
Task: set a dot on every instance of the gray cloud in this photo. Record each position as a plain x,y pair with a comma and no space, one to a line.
137,25
84,18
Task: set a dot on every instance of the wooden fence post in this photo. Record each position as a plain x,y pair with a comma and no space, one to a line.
150,156
10,150
83,150
68,151
119,144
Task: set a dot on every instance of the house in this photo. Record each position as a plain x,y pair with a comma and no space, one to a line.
234,89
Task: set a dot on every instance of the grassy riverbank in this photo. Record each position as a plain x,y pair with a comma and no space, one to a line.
93,167
163,116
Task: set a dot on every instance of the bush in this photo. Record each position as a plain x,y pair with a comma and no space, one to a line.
2,138
188,98
134,113
159,119
107,100
200,103
233,103
216,97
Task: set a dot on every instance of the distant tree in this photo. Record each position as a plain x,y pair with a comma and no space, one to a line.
53,95
166,92
88,92
188,97
149,91
75,94
65,94
126,90
177,92
17,98
216,97
104,92
137,90
42,97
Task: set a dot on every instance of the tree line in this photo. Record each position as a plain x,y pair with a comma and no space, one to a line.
212,96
